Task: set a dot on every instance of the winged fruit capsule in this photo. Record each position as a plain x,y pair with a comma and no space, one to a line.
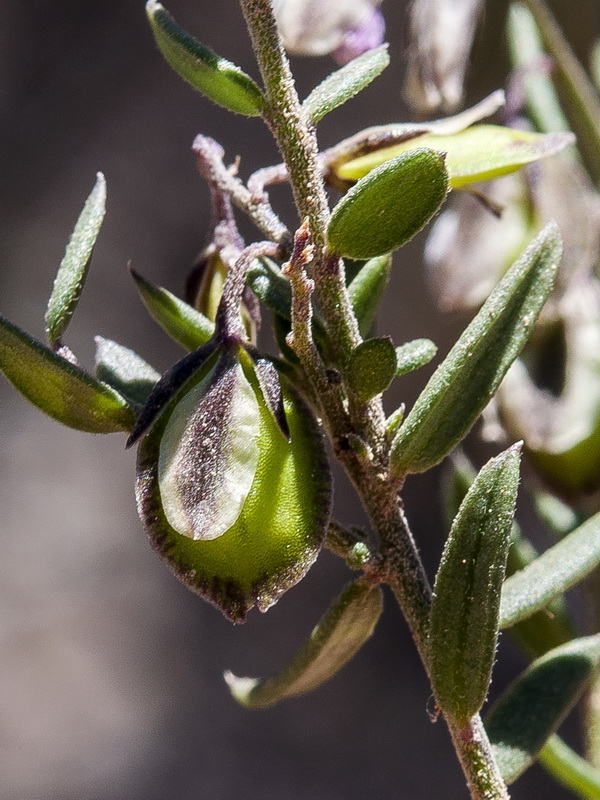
233,482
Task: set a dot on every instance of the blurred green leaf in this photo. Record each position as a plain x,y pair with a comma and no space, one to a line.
60,389
367,289
214,76
341,632
182,322
124,370
345,82
73,269
466,597
462,385
387,207
371,368
535,704
414,355
475,154
558,569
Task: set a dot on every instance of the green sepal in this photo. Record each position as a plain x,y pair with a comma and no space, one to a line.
283,520
463,628
367,288
534,705
474,154
463,384
60,389
270,286
414,355
391,204
122,368
214,76
345,82
551,574
74,266
341,632
184,324
371,368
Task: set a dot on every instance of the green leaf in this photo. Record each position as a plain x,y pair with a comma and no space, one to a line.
283,519
346,82
270,286
124,370
466,597
371,368
475,154
535,704
570,769
214,76
414,355
182,322
555,571
387,207
341,632
76,261
462,385
60,389
367,289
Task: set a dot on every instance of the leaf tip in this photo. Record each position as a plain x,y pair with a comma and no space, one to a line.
240,688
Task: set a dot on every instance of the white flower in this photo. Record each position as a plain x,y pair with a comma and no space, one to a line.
345,28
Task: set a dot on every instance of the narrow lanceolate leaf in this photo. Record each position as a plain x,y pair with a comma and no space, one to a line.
124,370
342,631
270,286
475,154
414,355
371,368
344,83
59,388
209,454
214,76
76,261
367,289
387,207
570,769
533,707
555,571
466,598
182,322
462,385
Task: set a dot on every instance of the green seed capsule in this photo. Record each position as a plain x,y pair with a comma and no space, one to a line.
236,508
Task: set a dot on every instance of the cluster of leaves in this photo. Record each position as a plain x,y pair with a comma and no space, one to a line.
233,480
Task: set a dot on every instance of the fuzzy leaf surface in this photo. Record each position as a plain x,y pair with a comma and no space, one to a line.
367,288
391,204
414,355
73,269
371,368
466,597
182,322
341,632
474,154
535,704
124,370
60,389
551,574
345,82
463,384
213,75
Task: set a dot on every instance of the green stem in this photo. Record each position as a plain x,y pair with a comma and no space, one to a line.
570,769
379,493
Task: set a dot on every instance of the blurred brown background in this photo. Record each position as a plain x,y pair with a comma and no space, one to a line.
110,671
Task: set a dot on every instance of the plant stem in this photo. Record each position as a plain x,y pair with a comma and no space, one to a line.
379,492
